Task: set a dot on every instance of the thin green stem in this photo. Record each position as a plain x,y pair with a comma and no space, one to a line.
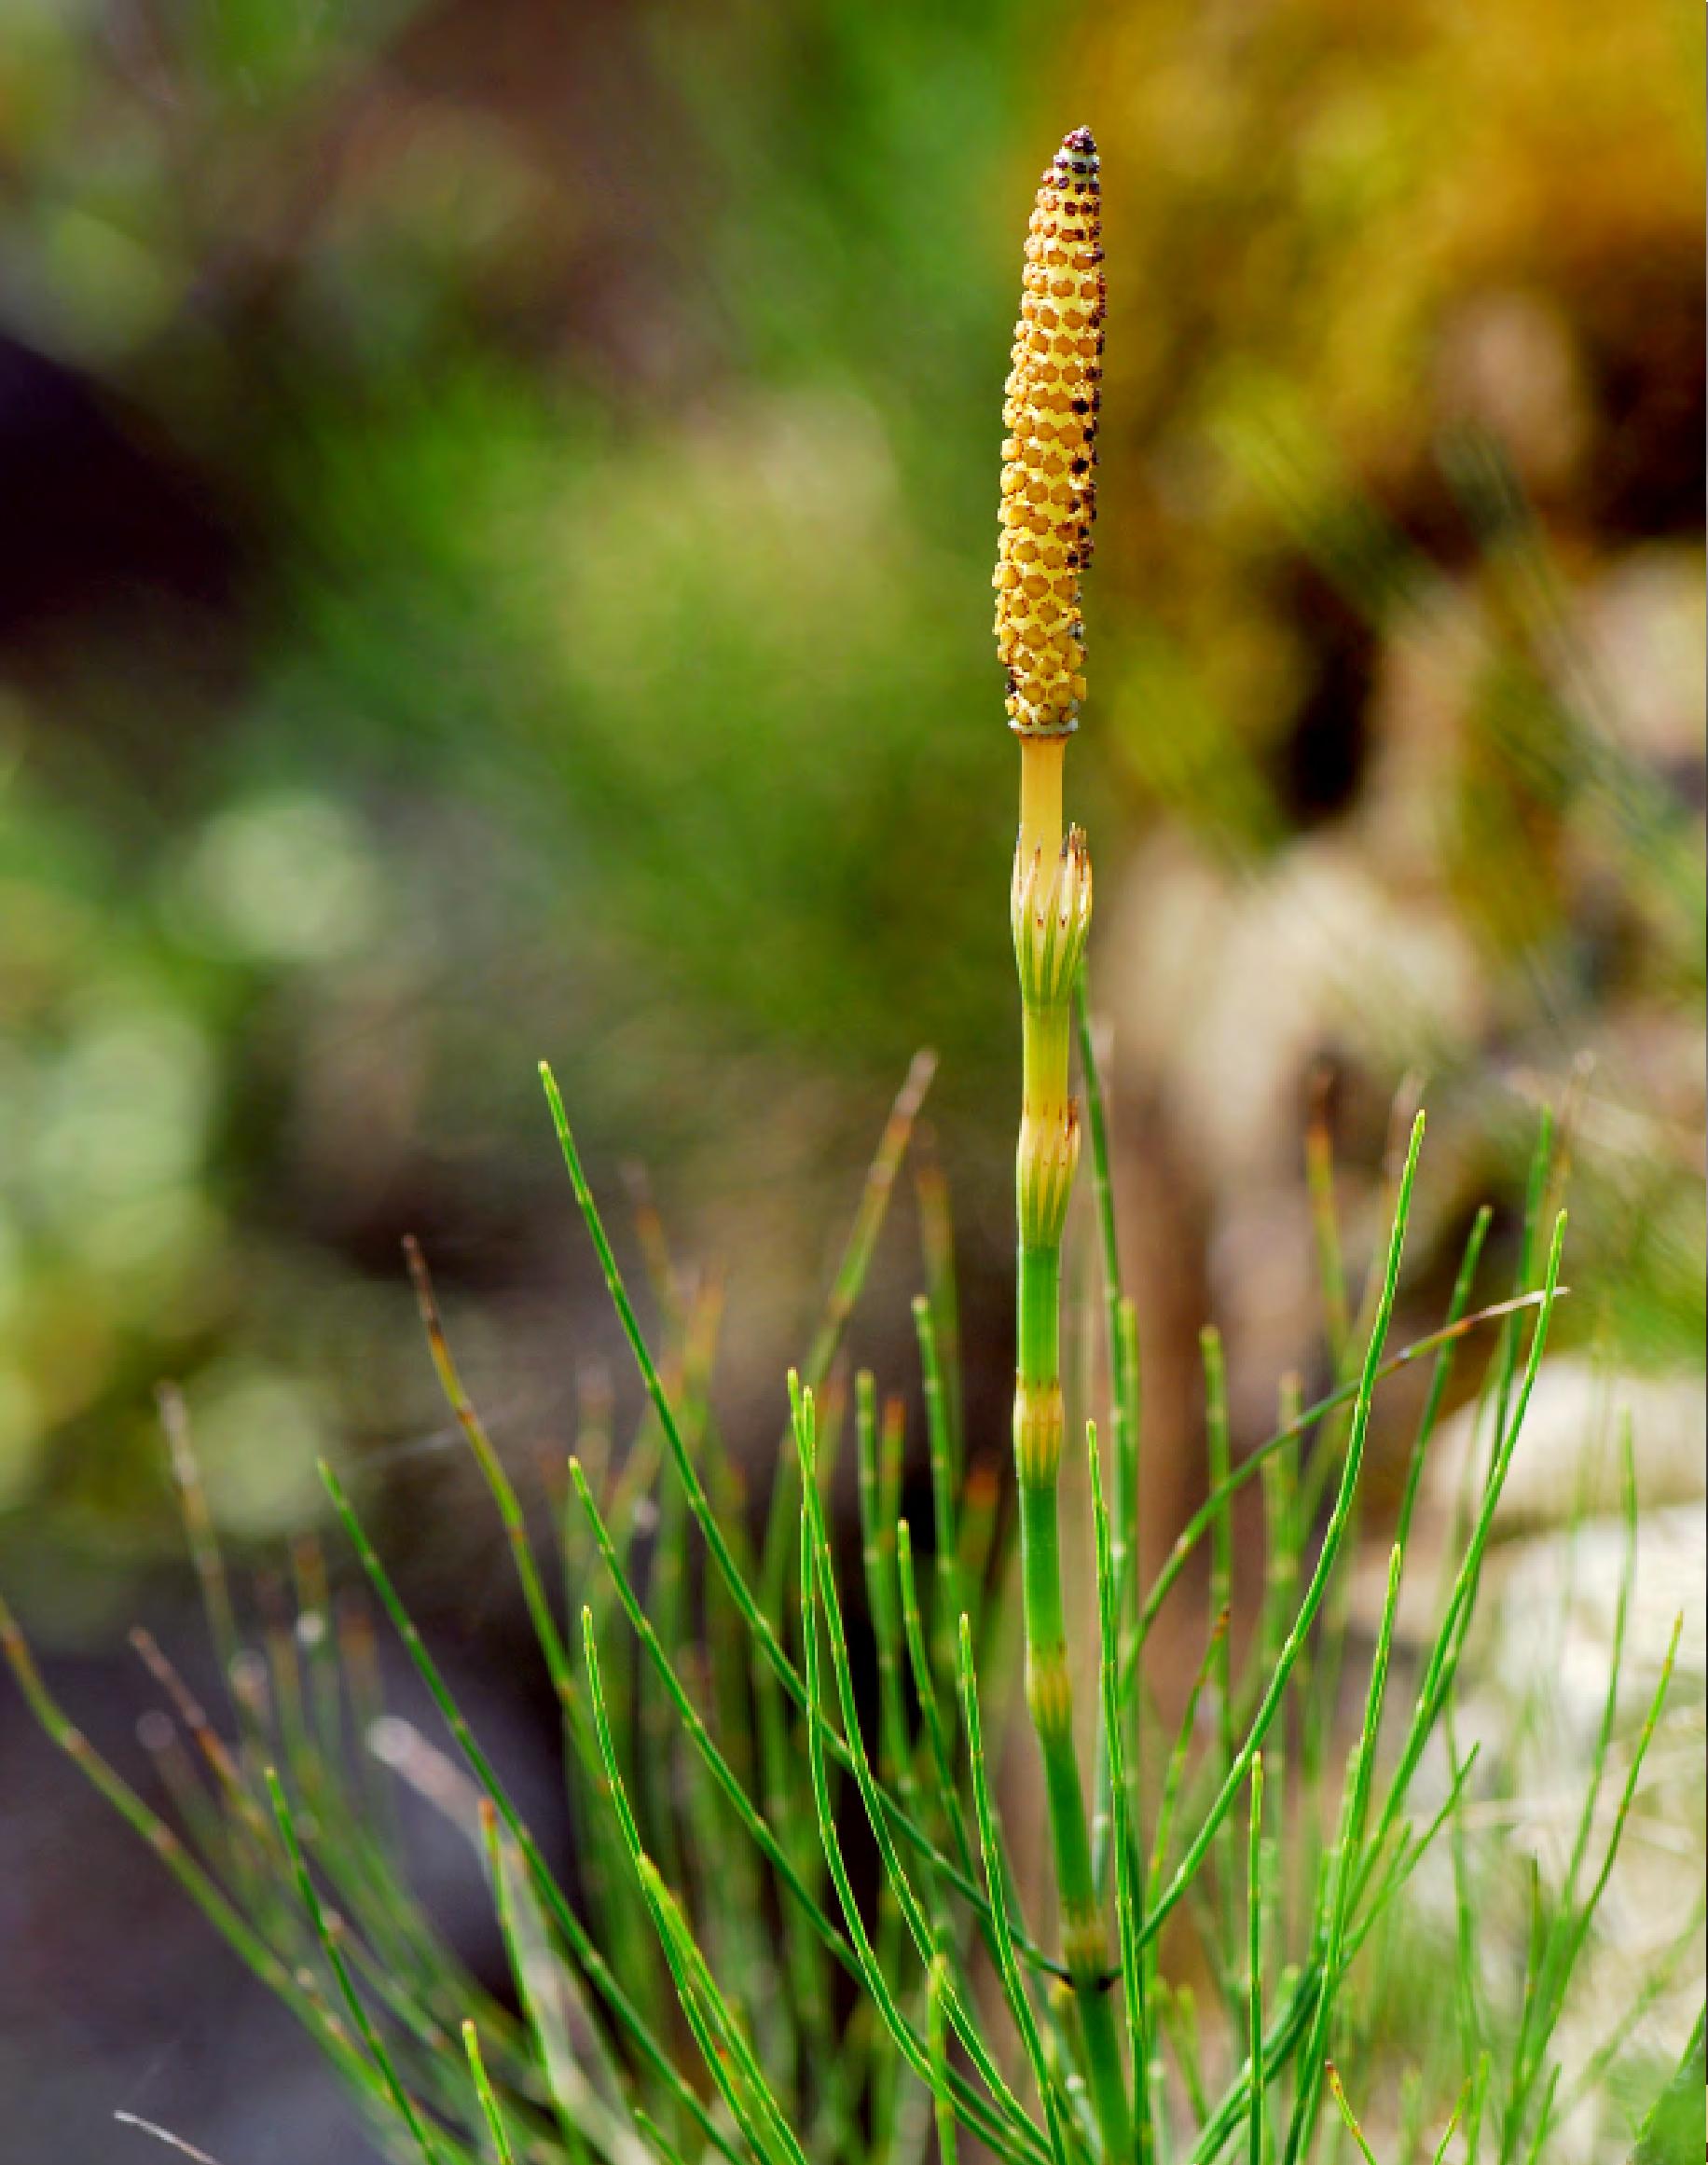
1300,1424
759,1624
1254,1957
1119,1323
1129,1885
1334,1537
972,2111
1013,1984
502,2148
588,1958
401,2099
821,1590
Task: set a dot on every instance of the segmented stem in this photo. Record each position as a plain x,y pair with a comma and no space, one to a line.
1051,916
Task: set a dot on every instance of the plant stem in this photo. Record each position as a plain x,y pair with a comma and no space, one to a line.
1051,906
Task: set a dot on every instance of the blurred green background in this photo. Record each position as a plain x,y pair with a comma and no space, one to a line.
498,508
499,502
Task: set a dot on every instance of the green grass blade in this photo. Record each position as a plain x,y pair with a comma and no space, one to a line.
823,1587
1673,2131
588,1957
1560,1975
401,2099
1443,1661
945,1534
502,1488
501,2149
1013,1982
1218,1451
1333,1536
948,2138
925,1692
1174,1775
942,1289
1120,1324
1254,1958
1360,1773
756,1826
1129,1887
764,1635
715,2028
971,2109
1350,2119
846,1280
232,1928
880,1472
1287,1435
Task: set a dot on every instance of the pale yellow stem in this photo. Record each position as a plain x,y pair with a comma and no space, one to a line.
1040,800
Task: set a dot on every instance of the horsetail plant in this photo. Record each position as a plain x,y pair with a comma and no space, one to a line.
787,1944
1048,498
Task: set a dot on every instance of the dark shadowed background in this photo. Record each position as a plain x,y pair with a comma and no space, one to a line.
498,504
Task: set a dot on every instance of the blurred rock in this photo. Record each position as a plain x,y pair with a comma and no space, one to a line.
1568,1460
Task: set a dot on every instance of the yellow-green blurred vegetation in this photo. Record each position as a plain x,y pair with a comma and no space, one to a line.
499,506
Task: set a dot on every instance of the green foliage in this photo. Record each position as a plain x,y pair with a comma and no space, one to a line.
1672,2134
794,1915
